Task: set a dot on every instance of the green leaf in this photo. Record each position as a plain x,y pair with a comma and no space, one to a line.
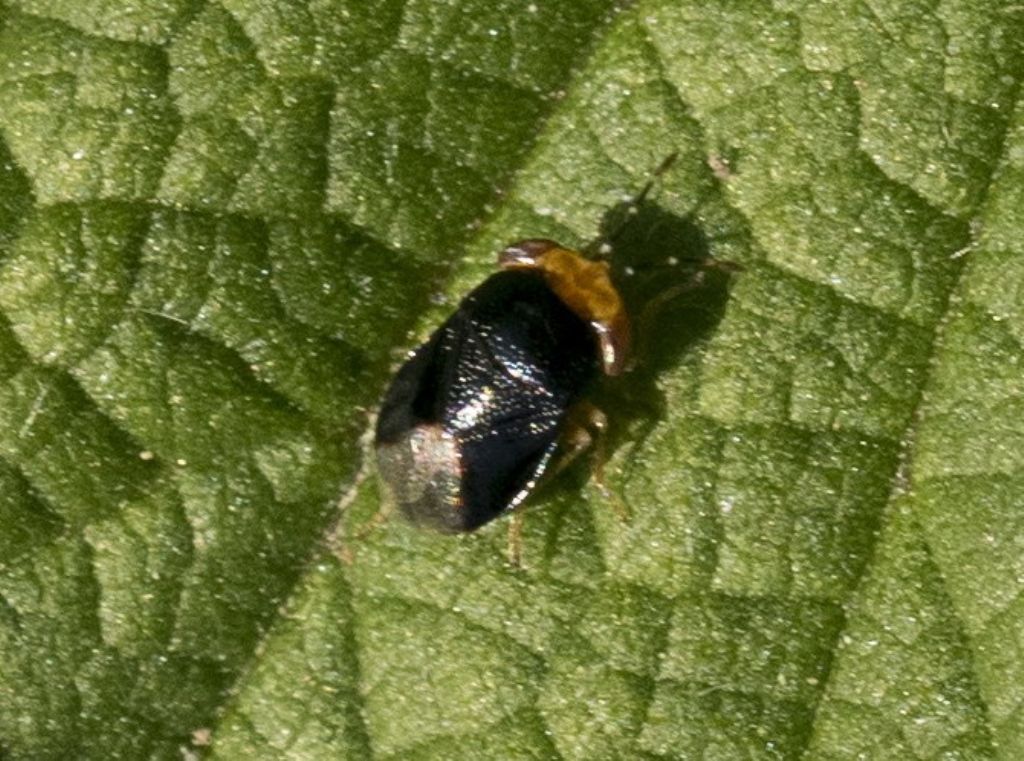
221,225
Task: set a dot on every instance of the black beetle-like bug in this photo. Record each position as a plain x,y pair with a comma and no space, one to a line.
475,416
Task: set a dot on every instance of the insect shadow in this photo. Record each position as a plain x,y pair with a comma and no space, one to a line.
675,293
674,290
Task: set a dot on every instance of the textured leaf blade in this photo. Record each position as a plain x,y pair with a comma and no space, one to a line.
218,225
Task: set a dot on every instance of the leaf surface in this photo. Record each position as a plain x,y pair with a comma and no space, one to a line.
221,224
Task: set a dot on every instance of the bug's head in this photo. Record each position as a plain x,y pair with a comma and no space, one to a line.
583,285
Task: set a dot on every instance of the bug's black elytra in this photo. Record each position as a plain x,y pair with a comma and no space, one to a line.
474,417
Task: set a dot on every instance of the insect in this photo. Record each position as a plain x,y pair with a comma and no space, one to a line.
474,417
497,397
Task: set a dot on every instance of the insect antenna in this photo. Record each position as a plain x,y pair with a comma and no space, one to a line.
601,246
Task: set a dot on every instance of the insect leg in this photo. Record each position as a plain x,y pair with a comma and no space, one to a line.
515,540
587,428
